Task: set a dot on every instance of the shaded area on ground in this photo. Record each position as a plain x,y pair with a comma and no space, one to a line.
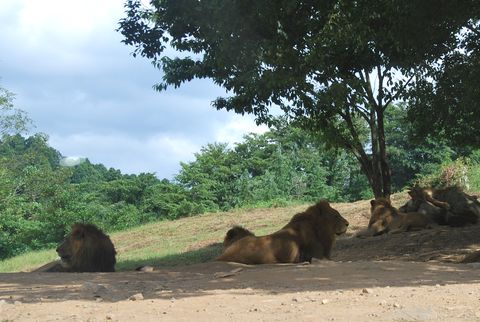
200,279
198,254
441,243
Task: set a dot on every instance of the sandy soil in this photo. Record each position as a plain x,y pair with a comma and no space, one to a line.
413,276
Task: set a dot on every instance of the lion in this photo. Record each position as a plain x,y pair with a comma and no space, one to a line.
85,249
409,221
421,201
429,195
235,233
464,209
450,206
472,257
307,235
382,213
385,218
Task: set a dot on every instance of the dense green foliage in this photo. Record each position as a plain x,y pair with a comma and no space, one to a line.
335,66
12,120
410,158
281,165
40,199
445,102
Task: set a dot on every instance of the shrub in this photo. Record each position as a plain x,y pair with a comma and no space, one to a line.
454,173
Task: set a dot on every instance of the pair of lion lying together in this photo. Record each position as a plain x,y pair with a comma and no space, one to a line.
308,234
450,206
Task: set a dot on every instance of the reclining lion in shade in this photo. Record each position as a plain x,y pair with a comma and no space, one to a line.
386,218
308,234
85,249
449,206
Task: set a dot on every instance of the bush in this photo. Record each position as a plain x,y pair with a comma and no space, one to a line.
454,173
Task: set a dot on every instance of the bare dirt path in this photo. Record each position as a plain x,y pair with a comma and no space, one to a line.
322,291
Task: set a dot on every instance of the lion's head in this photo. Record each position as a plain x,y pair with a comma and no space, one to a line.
380,210
326,216
382,213
87,249
380,202
235,233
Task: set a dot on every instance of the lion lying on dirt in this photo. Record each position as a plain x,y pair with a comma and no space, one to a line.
385,218
85,249
450,206
308,234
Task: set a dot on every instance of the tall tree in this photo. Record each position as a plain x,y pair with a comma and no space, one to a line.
210,177
410,158
446,101
12,119
333,65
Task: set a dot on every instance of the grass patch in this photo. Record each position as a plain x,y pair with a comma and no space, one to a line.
27,261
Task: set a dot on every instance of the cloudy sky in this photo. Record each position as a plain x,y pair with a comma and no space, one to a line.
80,85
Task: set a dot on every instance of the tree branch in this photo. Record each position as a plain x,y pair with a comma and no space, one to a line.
347,117
394,97
380,86
367,88
473,29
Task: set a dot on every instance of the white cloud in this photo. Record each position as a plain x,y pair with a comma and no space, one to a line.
71,22
81,86
55,36
71,161
158,154
234,131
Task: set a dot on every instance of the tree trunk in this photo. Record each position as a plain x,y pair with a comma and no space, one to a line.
384,166
380,180
378,171
376,182
375,167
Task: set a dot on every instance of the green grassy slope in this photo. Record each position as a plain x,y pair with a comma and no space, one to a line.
169,243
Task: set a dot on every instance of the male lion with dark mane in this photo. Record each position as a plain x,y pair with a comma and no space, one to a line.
308,234
85,249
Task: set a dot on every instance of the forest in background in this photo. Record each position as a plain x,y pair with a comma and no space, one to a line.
40,199
335,69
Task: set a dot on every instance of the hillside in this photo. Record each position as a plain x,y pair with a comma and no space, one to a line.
198,239
402,277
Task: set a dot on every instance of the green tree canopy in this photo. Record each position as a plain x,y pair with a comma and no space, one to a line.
12,119
335,66
446,101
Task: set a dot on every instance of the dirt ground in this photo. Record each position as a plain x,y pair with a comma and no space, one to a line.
412,276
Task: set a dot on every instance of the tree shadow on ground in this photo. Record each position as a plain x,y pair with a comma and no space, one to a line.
441,243
199,255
